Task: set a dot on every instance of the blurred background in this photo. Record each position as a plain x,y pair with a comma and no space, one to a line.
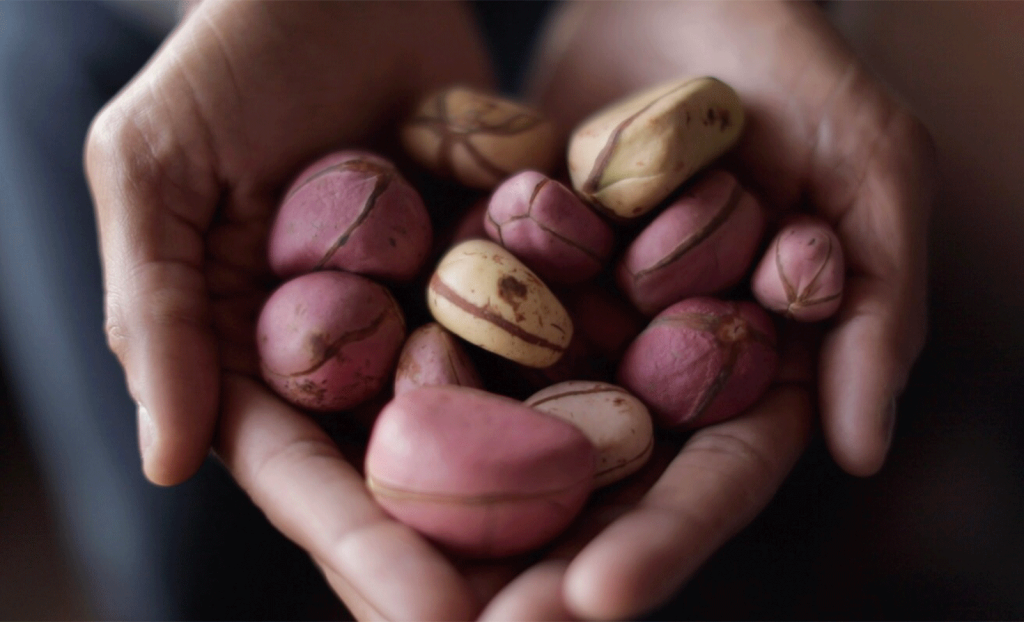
936,535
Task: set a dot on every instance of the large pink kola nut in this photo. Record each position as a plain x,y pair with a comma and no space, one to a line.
701,244
329,340
353,211
549,228
802,273
480,474
701,361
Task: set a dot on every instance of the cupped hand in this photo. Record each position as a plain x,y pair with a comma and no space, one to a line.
187,163
822,135
186,166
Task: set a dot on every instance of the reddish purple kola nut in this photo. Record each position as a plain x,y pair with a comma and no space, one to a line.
432,356
549,228
802,273
352,211
329,340
701,361
701,244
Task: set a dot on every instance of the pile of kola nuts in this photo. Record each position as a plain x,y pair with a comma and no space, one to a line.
561,322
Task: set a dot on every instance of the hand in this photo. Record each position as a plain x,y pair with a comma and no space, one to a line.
186,166
187,163
821,131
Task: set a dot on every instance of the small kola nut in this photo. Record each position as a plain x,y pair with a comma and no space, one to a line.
802,273
432,356
479,139
483,294
328,340
549,228
615,421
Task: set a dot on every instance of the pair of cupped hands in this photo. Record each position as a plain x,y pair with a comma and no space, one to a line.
186,167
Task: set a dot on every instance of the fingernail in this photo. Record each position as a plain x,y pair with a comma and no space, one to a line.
145,431
889,421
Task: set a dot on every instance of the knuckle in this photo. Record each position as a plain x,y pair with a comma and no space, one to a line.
115,329
117,148
916,137
744,455
104,140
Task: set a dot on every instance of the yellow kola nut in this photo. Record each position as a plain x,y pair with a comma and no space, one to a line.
613,419
630,156
483,294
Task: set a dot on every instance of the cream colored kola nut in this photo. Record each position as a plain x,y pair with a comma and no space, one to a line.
628,157
483,294
616,422
479,139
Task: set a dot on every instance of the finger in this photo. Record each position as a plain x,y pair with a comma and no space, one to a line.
536,594
297,476
156,184
158,314
722,478
359,607
873,180
864,364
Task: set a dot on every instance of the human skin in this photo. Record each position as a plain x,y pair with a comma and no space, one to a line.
185,166
821,130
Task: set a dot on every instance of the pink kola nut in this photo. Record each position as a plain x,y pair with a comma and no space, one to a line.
701,244
329,340
802,273
432,356
701,361
353,211
549,228
478,473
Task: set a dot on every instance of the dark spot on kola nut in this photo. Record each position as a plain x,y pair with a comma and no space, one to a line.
726,120
312,389
511,290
